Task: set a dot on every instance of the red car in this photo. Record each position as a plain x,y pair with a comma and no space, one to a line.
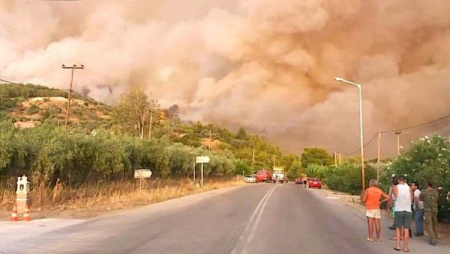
263,176
315,183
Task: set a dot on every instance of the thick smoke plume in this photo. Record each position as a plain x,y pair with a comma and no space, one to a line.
267,65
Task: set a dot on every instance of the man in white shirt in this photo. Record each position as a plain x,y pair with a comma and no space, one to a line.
418,209
403,213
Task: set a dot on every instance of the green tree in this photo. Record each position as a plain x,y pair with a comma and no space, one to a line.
132,112
294,170
242,134
242,167
347,177
428,159
289,160
315,170
317,156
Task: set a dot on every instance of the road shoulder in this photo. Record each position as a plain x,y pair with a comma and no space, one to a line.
354,202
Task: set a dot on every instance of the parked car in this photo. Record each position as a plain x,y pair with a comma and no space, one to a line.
263,176
315,183
298,181
250,179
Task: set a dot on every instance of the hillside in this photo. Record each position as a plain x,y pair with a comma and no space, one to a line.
31,105
25,103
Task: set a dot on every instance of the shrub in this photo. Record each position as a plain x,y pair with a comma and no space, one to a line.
428,159
295,170
315,170
33,110
347,177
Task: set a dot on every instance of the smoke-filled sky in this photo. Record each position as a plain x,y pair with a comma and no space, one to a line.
263,64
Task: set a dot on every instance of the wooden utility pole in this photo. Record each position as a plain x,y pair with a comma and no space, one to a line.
210,139
335,158
397,133
379,156
69,97
253,158
201,174
194,174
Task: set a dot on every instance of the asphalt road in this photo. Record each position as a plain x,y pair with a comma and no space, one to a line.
260,218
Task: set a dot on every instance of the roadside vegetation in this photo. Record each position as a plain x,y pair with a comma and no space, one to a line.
427,159
104,144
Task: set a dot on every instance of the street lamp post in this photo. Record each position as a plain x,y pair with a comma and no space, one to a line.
361,130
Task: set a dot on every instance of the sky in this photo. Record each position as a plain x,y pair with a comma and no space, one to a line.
265,65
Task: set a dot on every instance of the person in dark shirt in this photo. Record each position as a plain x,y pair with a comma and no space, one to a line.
430,196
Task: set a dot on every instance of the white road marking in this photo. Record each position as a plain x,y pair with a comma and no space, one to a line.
258,219
257,209
255,215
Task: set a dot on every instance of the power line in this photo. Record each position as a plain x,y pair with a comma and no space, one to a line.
7,81
366,144
401,129
417,125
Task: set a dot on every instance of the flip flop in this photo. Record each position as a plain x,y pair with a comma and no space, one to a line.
378,240
406,250
369,239
396,249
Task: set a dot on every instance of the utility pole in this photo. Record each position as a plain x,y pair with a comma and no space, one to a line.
253,158
379,156
335,158
210,139
153,105
397,133
194,175
69,97
201,176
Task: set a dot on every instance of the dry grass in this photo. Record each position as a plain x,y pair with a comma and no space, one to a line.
92,200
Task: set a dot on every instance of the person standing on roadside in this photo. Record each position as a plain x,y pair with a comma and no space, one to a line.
430,204
372,197
418,209
403,213
304,180
391,202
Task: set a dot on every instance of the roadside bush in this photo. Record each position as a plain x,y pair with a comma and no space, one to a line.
295,170
347,177
33,109
428,159
47,153
242,167
315,170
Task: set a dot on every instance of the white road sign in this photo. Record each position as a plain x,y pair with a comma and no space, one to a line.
202,159
142,173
